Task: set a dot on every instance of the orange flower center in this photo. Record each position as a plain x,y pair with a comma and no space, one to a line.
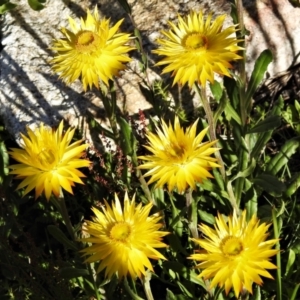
231,246
46,157
120,232
87,42
195,41
175,150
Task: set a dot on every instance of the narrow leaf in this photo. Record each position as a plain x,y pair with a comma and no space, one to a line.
230,111
293,185
282,158
269,183
216,90
60,236
36,4
264,137
4,161
70,272
125,6
170,295
259,70
295,291
269,123
6,7
128,140
232,91
290,262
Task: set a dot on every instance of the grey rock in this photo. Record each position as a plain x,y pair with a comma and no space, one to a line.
31,93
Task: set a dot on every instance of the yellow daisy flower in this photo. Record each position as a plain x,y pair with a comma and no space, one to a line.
197,47
179,158
91,50
124,239
236,253
48,161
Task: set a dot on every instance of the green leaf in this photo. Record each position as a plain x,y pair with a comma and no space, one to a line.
248,171
185,290
257,75
269,123
264,137
221,107
231,86
257,293
125,6
231,113
36,4
128,140
6,6
251,202
137,34
176,223
60,236
290,262
70,272
210,186
216,90
170,295
293,185
295,291
183,271
297,106
4,161
206,217
99,128
291,115
269,183
282,158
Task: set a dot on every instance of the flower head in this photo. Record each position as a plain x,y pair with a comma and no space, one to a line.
197,47
235,253
48,161
92,50
179,158
124,239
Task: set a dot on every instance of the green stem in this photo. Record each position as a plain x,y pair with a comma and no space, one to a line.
61,206
178,100
210,119
209,115
130,291
146,285
142,180
242,71
145,187
240,182
191,205
110,106
244,295
278,256
98,296
241,30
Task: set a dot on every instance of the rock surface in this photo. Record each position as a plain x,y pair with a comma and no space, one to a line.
30,92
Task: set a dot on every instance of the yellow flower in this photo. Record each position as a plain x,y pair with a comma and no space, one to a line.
124,239
48,161
236,253
179,159
196,48
91,51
